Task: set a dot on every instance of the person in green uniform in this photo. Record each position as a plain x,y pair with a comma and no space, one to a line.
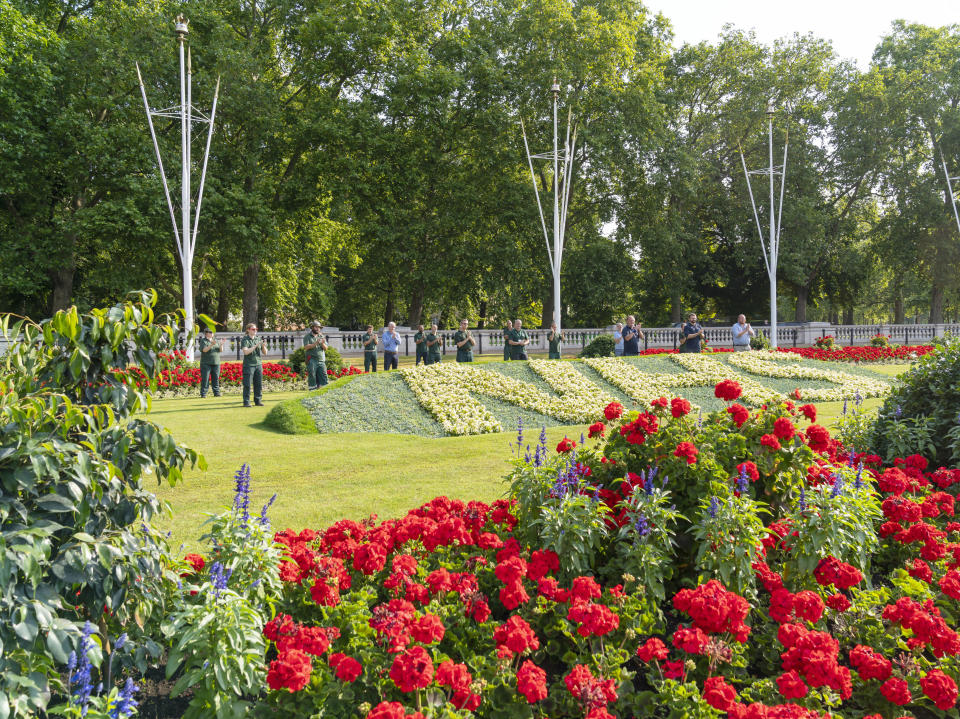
315,345
464,341
209,363
519,341
252,348
555,337
507,348
420,340
369,341
434,345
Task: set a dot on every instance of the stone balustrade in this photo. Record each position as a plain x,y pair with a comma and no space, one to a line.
348,343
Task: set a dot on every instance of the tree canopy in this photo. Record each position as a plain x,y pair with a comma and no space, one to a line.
367,163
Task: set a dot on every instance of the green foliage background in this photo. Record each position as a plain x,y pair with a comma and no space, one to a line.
367,163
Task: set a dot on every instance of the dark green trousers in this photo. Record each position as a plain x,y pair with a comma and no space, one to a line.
316,373
210,377
253,376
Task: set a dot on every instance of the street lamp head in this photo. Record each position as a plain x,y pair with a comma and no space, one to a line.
556,87
770,108
180,27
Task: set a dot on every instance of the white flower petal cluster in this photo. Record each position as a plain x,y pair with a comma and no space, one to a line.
713,371
441,392
773,365
642,386
572,386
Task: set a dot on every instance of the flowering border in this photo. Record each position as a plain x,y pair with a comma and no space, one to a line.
776,365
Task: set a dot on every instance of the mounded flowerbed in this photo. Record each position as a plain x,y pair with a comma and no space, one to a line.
675,566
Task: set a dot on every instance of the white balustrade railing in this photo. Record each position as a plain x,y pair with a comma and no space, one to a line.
349,343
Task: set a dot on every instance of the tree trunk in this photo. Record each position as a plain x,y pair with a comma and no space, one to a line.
802,294
676,307
834,317
62,280
546,316
251,307
389,309
483,315
416,306
898,313
848,315
936,303
223,307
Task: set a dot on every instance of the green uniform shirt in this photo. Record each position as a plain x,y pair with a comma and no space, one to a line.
507,348
465,353
420,341
212,355
317,353
434,349
517,336
253,359
555,343
368,348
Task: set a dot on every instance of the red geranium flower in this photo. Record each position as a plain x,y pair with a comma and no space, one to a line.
783,428
290,670
531,682
718,694
566,445
613,411
679,407
597,429
346,668
653,648
687,450
412,669
728,390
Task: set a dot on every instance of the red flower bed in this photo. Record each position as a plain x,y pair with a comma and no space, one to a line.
452,611
231,374
861,354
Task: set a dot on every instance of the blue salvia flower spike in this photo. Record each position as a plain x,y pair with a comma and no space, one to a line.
264,520
80,682
714,507
241,497
126,704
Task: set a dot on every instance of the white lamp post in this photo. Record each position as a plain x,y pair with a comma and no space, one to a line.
561,195
771,248
953,198
187,114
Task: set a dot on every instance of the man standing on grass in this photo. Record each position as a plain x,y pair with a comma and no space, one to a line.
554,338
464,341
519,341
742,332
209,363
420,340
315,345
369,341
434,345
631,338
391,347
618,340
252,348
507,347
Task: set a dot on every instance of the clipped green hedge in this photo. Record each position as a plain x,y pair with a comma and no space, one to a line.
291,417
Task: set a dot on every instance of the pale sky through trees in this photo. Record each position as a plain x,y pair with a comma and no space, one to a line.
854,26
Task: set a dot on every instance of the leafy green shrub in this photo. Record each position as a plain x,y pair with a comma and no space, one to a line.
74,512
334,360
298,360
218,646
600,346
922,409
825,342
880,341
759,341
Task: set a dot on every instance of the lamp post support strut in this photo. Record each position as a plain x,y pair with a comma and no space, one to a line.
770,247
562,184
186,234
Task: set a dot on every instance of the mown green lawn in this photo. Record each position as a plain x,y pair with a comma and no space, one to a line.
320,478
